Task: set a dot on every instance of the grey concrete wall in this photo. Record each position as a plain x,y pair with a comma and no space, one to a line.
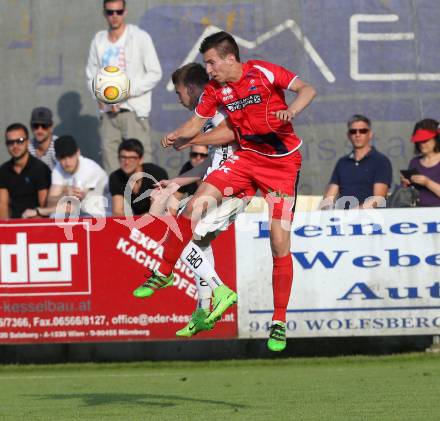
44,46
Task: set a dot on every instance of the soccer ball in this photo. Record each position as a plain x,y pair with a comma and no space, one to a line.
111,85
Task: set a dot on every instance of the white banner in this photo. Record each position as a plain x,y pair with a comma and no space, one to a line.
356,273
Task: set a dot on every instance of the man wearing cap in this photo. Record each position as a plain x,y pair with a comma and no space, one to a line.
361,178
131,49
75,179
24,180
42,145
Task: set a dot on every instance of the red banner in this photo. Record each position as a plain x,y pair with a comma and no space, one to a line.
73,282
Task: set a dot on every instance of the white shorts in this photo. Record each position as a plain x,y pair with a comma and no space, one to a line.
221,217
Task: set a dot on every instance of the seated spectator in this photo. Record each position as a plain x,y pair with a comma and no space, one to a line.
426,163
24,180
197,154
77,182
42,145
131,161
363,176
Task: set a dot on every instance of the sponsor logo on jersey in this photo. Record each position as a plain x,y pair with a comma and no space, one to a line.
227,93
244,102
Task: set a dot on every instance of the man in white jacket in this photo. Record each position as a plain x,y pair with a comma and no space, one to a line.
132,49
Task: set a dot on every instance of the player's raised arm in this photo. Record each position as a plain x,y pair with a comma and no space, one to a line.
187,130
220,135
305,94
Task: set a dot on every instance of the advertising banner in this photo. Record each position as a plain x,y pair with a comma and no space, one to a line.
356,273
73,282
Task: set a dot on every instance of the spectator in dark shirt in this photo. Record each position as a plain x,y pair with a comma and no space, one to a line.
131,153
363,177
426,163
197,154
24,180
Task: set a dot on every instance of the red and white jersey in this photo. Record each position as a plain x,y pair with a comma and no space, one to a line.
250,103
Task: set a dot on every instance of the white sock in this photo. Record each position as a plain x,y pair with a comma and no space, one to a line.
201,262
204,293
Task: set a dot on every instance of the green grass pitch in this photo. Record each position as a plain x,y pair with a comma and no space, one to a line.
404,387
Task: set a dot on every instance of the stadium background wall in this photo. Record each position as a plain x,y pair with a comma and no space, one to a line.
364,56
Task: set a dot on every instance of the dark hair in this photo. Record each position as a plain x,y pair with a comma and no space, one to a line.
190,74
427,124
65,146
358,117
223,43
132,145
111,1
17,126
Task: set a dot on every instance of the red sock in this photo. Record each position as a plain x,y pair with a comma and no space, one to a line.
282,278
173,246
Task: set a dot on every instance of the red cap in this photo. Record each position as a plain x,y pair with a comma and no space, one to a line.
421,135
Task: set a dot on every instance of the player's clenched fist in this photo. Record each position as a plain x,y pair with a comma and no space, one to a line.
284,115
169,139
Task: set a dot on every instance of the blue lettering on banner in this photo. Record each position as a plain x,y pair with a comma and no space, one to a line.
321,257
375,323
362,289
366,261
335,229
343,324
395,259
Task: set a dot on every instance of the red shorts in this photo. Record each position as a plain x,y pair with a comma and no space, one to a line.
245,171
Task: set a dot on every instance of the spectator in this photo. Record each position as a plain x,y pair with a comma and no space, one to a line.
197,154
131,153
42,145
75,177
364,175
426,163
131,49
24,180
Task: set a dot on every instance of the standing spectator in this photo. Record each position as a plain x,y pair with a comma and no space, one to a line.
131,158
75,177
197,154
24,180
42,145
426,163
131,49
364,174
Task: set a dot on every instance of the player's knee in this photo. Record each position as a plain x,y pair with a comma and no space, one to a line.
280,245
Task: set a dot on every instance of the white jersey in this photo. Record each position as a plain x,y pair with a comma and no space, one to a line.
218,154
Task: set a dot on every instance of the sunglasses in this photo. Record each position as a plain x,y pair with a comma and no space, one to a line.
18,141
128,158
198,154
44,126
110,12
361,131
